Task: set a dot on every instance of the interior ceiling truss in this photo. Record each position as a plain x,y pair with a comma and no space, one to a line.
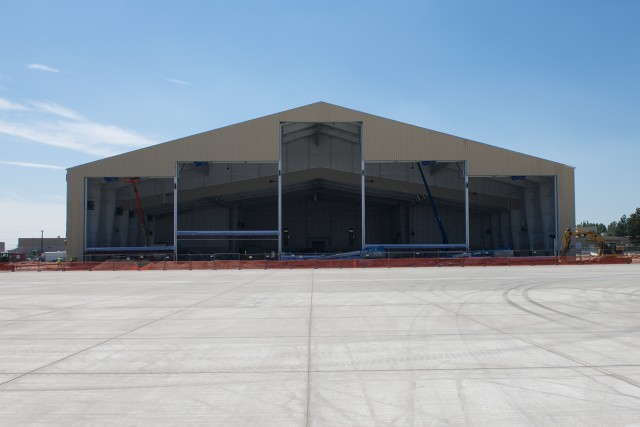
344,131
314,179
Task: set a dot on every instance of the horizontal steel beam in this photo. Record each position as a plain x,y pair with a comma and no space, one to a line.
416,246
129,249
230,233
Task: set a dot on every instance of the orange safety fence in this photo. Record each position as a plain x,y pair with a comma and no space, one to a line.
146,264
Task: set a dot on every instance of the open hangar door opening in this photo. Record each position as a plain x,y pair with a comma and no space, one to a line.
513,213
124,213
226,207
323,191
413,205
321,187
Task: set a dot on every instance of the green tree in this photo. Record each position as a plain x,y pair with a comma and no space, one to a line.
612,228
621,228
633,227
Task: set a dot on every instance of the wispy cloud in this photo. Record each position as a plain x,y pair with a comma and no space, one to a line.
43,68
31,165
56,109
7,105
178,82
49,123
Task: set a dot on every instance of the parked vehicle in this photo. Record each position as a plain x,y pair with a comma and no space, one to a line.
54,256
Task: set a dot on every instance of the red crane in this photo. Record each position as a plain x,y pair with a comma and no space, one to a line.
143,223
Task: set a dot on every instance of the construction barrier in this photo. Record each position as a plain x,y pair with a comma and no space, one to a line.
146,264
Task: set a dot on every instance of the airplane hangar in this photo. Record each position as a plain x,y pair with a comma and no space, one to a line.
318,179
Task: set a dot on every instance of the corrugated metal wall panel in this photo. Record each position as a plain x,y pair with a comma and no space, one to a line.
75,213
259,139
253,141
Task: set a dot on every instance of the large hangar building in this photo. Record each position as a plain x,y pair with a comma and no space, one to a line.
318,179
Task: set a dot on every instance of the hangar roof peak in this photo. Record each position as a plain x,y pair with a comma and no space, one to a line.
258,139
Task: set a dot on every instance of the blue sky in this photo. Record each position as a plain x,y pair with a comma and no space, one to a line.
81,80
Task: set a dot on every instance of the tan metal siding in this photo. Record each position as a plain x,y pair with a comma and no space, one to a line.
566,199
75,213
251,141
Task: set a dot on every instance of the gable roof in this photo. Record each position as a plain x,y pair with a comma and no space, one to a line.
259,140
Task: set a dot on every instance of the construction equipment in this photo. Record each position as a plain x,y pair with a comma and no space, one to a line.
11,257
443,233
143,223
604,248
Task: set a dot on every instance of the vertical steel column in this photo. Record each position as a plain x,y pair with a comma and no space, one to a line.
466,204
175,211
555,201
84,211
280,197
362,222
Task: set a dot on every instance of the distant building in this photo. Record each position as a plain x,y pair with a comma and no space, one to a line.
2,247
27,245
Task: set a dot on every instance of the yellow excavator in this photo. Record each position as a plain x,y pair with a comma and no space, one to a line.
604,248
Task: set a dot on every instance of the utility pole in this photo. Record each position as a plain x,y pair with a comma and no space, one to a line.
41,242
